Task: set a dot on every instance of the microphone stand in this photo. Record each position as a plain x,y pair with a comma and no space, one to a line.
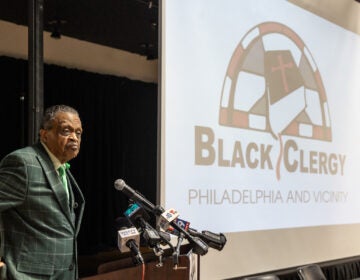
176,253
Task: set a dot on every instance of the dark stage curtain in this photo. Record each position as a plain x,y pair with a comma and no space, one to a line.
119,119
13,87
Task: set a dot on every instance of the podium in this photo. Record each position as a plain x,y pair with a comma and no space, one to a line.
123,268
152,271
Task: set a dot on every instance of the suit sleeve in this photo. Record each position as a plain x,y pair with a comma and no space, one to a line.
13,181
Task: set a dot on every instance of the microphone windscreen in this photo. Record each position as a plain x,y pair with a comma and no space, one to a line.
119,184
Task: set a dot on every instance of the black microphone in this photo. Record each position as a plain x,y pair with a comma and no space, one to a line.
216,241
128,240
134,195
152,237
182,223
170,217
138,259
213,240
138,217
199,246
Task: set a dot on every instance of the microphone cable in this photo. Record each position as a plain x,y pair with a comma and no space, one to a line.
143,271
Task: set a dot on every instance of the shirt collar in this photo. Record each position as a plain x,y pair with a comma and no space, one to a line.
53,158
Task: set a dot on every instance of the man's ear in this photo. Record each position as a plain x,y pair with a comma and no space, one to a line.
43,135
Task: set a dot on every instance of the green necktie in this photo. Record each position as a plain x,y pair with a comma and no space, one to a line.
62,174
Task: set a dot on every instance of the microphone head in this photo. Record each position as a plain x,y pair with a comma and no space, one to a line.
125,235
119,184
136,215
122,223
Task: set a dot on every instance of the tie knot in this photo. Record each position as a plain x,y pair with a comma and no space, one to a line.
63,167
66,165
61,170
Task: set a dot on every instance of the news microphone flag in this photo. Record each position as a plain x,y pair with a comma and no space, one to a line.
126,235
167,217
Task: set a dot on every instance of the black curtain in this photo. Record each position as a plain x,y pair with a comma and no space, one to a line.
13,87
119,118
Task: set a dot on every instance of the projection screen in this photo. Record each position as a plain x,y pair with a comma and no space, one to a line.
260,132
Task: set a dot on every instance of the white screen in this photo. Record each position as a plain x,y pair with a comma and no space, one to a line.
260,122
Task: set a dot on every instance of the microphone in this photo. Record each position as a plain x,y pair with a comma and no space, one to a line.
134,195
181,223
216,241
153,238
128,240
167,217
213,240
138,259
138,217
199,246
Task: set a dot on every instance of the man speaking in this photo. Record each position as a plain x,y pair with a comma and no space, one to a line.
41,205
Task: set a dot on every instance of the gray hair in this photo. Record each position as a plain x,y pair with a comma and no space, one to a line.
50,113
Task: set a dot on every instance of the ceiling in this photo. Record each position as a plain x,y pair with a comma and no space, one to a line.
129,25
132,25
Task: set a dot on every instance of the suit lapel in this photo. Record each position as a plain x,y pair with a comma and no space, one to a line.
78,198
54,181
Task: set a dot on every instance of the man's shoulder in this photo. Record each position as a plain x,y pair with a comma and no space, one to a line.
26,153
29,150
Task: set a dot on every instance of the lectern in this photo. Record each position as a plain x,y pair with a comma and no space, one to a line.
122,269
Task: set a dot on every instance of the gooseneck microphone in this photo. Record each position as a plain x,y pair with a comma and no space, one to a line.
134,195
213,240
199,246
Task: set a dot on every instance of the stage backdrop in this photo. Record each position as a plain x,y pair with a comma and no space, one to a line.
260,132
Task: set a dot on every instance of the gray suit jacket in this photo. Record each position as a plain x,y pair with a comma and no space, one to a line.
39,227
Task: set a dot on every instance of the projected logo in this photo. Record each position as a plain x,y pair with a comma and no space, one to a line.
273,85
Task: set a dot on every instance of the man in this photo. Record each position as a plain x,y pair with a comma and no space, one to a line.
41,208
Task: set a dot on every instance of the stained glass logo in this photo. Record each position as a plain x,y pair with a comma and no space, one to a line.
273,85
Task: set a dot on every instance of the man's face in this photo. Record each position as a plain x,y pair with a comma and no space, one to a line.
64,138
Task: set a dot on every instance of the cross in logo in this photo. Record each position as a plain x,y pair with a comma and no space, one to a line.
282,66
